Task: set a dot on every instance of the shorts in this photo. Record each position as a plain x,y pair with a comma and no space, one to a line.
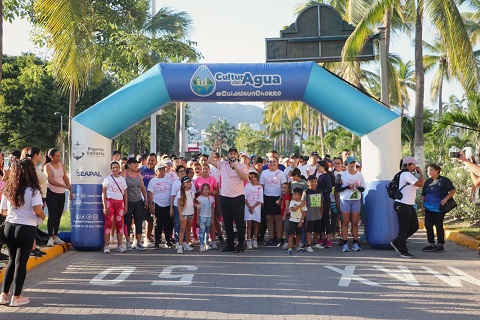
348,206
293,228
189,217
313,226
270,207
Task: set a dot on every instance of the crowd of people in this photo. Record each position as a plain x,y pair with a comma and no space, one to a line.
153,201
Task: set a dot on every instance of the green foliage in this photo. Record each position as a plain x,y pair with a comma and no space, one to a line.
29,102
461,180
221,131
252,141
336,140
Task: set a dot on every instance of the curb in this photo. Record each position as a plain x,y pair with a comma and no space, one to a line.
455,236
52,252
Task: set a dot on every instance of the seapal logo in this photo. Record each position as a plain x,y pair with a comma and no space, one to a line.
247,79
202,82
81,173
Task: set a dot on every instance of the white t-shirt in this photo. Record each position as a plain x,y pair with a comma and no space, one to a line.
231,183
112,189
171,175
160,189
309,169
349,179
253,194
206,203
409,191
214,173
303,171
23,215
295,212
189,208
176,187
272,182
287,173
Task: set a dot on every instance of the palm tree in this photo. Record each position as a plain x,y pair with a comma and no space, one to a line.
222,131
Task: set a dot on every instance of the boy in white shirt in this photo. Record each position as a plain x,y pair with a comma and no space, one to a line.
297,217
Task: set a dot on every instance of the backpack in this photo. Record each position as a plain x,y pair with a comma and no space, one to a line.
392,188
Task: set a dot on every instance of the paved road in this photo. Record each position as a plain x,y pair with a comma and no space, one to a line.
263,284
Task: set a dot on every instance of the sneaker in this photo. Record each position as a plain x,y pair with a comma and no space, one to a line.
269,243
345,248
17,302
214,245
57,240
429,248
302,245
309,249
179,249
35,254
319,246
139,246
356,247
128,246
249,245
255,244
106,249
168,245
328,244
187,247
406,255
285,246
202,248
148,244
239,248
395,247
439,249
3,299
228,248
156,246
113,239
289,251
121,249
207,247
299,249
50,242
40,251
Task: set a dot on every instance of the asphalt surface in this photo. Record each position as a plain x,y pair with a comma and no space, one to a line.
260,284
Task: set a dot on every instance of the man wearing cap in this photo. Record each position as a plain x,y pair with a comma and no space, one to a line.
406,214
148,173
232,196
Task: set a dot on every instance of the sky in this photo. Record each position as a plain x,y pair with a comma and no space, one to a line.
228,31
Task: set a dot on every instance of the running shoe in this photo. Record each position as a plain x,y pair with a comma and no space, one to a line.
57,240
309,249
328,244
249,245
439,249
255,244
50,242
406,255
345,248
139,246
128,246
106,249
319,246
179,249
285,246
289,251
356,247
214,245
187,247
121,249
395,247
299,249
429,248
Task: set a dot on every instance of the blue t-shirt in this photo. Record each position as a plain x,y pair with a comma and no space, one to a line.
434,191
147,175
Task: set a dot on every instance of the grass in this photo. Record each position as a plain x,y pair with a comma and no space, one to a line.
64,223
466,228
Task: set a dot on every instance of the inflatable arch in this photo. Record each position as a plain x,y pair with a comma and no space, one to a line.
93,129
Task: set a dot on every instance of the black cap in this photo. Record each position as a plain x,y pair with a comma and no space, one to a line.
232,149
115,152
132,160
314,154
185,179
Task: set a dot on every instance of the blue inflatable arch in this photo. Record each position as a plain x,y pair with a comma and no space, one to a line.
93,129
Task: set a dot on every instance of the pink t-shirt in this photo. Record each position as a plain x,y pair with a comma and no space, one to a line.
201,180
231,183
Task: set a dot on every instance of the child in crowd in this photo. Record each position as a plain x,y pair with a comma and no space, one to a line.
204,219
297,216
298,181
253,204
186,201
313,200
285,211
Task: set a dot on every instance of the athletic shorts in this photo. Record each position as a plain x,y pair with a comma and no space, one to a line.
349,206
313,226
293,228
270,207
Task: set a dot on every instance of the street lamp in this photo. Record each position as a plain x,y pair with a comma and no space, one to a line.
60,115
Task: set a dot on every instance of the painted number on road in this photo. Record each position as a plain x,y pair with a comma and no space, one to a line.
184,279
124,273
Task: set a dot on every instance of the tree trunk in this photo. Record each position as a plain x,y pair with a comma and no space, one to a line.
71,114
419,88
1,42
308,122
440,89
132,149
322,135
176,144
387,22
292,137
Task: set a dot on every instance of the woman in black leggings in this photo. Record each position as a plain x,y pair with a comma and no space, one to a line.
22,204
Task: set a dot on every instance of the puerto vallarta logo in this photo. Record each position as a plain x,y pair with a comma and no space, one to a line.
202,82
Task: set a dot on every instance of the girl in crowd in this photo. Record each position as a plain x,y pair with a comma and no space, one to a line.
253,204
57,183
115,203
325,185
137,203
159,189
212,182
206,211
285,211
22,204
181,172
436,191
406,214
350,187
271,181
186,200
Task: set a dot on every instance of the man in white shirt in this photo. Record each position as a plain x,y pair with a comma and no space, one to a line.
232,196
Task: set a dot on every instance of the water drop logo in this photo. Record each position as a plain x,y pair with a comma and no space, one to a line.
202,82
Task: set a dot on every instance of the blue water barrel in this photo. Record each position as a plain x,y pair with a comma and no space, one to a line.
381,224
86,217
